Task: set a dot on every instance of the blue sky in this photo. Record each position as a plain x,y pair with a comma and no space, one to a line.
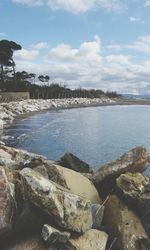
88,43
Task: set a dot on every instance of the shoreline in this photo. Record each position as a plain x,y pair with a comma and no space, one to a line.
12,110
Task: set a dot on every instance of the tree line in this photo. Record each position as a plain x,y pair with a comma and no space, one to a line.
12,81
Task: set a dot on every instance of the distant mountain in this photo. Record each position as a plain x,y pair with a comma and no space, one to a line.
146,96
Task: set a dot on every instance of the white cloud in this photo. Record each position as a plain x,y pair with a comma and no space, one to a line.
134,19
142,44
146,3
121,59
90,67
40,45
24,54
76,6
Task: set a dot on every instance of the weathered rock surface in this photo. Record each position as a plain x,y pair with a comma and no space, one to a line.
51,235
97,215
136,189
74,181
79,184
135,160
67,209
16,158
30,243
68,160
124,227
7,203
91,240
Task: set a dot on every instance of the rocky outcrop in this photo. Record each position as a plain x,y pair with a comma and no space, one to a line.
92,239
124,227
136,190
39,197
7,203
69,211
135,160
71,161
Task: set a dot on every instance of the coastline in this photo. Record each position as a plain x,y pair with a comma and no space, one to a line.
11,110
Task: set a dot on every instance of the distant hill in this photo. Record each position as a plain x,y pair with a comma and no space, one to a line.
146,96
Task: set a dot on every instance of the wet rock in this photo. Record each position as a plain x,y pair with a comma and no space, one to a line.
51,235
97,215
124,227
136,189
92,239
7,203
68,210
68,160
135,160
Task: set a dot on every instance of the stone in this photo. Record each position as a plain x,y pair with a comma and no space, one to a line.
68,160
16,158
79,184
7,203
68,210
27,243
74,181
1,124
97,215
51,235
135,187
92,239
124,227
135,160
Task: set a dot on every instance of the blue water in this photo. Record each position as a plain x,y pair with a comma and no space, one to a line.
95,134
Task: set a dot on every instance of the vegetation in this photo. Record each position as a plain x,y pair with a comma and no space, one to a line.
12,81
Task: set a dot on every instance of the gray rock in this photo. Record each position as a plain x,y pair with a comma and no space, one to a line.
135,187
135,160
7,203
90,240
73,162
124,227
67,209
97,215
51,235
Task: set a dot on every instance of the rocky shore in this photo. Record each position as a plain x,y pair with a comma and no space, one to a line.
8,111
66,205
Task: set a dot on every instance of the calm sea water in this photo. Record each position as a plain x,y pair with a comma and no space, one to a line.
95,134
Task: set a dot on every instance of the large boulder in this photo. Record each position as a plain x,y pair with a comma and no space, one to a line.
72,180
135,187
135,160
7,203
92,239
68,160
124,227
79,184
66,209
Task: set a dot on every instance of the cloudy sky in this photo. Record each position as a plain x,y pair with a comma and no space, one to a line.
88,43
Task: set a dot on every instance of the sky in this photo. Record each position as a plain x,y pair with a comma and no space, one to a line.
103,44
